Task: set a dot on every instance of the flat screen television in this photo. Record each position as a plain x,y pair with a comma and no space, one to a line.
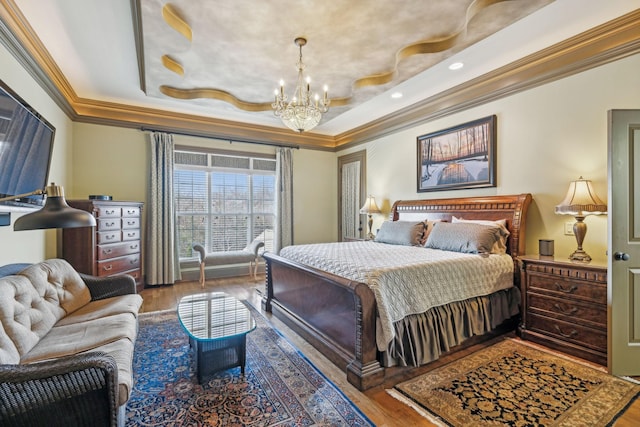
26,145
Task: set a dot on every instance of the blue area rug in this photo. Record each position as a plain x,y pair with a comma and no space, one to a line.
280,387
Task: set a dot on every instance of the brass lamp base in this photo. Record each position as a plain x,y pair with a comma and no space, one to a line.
580,256
580,230
370,235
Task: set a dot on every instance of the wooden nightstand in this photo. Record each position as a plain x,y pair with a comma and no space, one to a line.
564,306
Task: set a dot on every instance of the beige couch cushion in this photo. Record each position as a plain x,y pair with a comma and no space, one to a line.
75,338
122,352
57,281
130,303
25,316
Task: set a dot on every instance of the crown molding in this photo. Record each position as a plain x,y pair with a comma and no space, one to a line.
603,44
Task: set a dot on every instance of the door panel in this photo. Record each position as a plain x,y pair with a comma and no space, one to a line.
624,242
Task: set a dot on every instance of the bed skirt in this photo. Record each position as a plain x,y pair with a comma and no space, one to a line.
422,338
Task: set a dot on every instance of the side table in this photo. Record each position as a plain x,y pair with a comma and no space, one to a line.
564,306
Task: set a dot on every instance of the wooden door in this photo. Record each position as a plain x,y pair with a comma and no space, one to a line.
352,174
624,242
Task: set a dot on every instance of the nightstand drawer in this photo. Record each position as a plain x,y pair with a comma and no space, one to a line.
567,288
568,309
595,338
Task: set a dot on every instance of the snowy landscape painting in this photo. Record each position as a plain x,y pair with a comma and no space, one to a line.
458,157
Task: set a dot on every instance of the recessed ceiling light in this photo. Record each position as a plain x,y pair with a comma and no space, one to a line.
456,66
396,95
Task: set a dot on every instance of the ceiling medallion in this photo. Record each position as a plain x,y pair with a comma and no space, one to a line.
302,113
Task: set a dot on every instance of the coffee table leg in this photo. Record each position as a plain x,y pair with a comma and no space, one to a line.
243,353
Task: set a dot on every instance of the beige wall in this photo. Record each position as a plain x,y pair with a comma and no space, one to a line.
547,137
35,245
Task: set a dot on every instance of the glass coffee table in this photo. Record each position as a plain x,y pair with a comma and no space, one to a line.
217,325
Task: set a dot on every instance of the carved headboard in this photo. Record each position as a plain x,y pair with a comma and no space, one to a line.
511,208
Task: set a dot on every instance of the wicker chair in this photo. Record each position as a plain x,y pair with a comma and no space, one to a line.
77,390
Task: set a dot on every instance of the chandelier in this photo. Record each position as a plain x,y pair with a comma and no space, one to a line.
303,113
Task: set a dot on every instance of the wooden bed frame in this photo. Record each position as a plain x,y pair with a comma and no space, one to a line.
338,316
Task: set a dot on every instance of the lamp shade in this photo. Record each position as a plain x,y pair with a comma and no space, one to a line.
370,206
55,213
581,200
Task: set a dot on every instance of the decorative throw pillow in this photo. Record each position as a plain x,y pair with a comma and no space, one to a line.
500,247
406,233
465,237
428,226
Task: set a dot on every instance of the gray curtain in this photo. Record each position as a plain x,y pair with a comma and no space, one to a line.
283,235
351,202
162,265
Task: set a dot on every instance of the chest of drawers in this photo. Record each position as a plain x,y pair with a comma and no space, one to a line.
114,246
564,306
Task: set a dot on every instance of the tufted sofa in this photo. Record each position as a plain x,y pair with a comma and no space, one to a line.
66,345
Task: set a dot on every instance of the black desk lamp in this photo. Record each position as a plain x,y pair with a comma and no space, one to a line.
55,213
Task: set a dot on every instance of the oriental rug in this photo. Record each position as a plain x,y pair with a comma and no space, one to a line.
280,386
515,384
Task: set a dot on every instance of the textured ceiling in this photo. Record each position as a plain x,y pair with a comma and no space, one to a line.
229,56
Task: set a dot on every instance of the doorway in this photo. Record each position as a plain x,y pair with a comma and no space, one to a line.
352,173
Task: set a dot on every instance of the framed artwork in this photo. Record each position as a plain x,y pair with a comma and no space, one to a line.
463,156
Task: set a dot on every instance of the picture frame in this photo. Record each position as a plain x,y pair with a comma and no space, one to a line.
460,157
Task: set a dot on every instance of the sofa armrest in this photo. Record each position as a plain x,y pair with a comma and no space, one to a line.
111,286
79,390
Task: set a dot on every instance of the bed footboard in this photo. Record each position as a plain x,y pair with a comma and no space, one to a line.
335,315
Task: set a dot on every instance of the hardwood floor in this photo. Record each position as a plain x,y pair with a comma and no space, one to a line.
377,404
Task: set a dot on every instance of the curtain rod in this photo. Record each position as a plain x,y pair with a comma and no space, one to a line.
231,141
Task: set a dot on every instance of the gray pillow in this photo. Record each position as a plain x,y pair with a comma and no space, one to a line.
465,237
406,233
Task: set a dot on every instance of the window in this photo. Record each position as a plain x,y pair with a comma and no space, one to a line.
223,201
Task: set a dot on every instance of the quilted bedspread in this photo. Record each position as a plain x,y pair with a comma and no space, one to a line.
407,279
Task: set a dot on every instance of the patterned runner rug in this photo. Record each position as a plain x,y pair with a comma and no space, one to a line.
511,384
280,387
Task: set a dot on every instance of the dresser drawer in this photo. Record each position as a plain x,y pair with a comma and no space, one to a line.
118,265
567,287
109,237
108,212
136,274
115,250
130,222
590,337
568,310
130,211
106,224
130,235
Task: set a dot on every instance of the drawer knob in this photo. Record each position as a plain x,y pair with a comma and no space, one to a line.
107,267
571,334
573,310
566,290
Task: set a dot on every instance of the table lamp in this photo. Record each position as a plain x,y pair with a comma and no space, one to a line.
580,201
370,208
